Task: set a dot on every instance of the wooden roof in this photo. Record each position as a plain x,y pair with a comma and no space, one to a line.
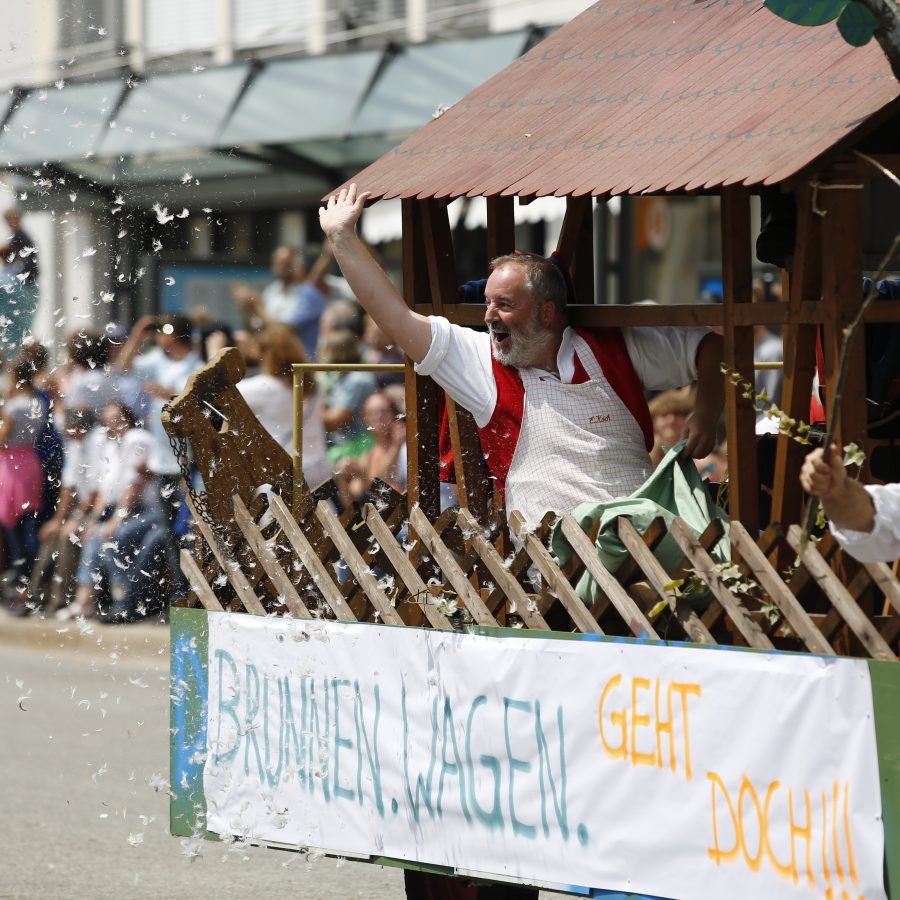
635,97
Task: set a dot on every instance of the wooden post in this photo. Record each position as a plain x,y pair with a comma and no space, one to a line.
501,226
472,487
422,423
743,499
583,264
842,296
805,284
576,246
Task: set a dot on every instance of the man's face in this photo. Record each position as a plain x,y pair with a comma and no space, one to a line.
513,318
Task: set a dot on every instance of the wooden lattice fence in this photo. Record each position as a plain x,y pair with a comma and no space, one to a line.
270,552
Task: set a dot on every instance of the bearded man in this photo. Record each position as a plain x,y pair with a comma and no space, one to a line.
560,411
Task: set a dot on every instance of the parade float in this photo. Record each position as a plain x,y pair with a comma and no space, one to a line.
394,683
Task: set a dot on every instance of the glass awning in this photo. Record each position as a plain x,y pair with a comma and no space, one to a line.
317,117
301,99
424,77
174,111
53,124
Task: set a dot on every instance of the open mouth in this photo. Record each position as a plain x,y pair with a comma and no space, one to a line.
500,336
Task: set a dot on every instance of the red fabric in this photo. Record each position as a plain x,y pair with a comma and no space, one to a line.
500,436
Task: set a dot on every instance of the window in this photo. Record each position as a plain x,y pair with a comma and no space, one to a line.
261,22
174,26
92,26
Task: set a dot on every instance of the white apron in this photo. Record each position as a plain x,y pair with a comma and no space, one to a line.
577,443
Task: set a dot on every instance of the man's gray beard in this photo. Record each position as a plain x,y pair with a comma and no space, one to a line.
526,345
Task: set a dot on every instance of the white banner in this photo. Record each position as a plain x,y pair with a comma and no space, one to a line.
669,771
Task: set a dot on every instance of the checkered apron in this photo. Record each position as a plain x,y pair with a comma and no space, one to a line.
577,443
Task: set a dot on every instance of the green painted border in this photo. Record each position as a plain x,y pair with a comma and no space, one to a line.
189,663
886,700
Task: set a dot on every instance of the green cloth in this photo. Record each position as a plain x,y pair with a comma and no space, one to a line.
674,489
353,447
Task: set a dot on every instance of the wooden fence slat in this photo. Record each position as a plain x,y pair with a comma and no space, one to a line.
230,566
795,615
573,604
525,607
636,621
268,561
659,578
307,555
886,582
358,566
840,598
705,566
469,597
405,569
199,585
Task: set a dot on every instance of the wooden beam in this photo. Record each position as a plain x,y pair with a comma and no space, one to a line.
423,483
358,566
705,566
631,613
404,567
473,488
576,246
799,361
580,615
743,502
659,578
842,296
264,551
788,605
501,226
808,312
199,584
311,561
468,596
229,565
518,600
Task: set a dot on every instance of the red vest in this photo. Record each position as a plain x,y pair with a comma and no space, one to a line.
500,436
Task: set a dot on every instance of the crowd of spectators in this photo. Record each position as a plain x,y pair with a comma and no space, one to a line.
92,496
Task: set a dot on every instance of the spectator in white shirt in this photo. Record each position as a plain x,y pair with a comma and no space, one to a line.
271,398
129,501
60,537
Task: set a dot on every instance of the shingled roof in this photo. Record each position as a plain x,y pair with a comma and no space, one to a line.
640,96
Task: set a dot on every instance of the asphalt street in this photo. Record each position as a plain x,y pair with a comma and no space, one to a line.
83,769
84,760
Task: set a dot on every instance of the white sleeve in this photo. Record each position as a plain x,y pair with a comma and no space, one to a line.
459,360
882,544
664,357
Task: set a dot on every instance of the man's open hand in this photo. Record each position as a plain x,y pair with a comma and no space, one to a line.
340,215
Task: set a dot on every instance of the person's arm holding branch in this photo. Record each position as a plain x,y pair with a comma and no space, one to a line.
374,290
845,501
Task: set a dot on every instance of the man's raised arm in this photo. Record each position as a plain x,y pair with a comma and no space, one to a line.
409,330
